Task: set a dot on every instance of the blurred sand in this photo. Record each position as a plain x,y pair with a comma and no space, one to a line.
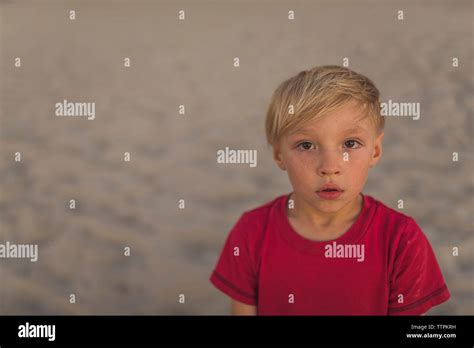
173,156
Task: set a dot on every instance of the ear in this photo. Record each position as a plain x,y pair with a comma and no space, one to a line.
277,157
377,154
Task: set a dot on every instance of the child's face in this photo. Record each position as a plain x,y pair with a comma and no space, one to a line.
330,150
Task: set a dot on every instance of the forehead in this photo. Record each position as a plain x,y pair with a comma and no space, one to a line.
348,118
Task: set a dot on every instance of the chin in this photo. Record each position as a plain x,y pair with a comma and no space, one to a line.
329,207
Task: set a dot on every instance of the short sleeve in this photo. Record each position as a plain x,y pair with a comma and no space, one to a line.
234,274
416,282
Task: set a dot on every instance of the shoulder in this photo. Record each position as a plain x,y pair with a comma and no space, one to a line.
260,213
250,229
252,223
389,216
400,227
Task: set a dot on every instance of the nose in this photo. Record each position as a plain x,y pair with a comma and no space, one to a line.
330,163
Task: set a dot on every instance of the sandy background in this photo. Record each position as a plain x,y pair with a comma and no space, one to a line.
173,156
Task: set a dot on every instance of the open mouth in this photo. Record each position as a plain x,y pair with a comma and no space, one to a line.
330,191
330,187
329,194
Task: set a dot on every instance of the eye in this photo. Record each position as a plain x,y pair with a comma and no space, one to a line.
352,144
305,145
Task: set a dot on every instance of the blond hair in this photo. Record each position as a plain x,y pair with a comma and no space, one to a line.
313,93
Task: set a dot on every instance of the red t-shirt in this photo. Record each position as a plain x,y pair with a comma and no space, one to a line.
382,265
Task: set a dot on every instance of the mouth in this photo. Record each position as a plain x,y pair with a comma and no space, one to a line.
329,194
330,188
329,191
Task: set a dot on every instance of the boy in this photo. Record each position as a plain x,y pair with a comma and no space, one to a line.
326,248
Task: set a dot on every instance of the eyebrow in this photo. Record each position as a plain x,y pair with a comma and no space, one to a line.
354,129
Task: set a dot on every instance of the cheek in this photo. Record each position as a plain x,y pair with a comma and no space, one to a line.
300,170
359,159
357,163
357,168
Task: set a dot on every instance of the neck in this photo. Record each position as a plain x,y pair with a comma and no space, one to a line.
308,215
